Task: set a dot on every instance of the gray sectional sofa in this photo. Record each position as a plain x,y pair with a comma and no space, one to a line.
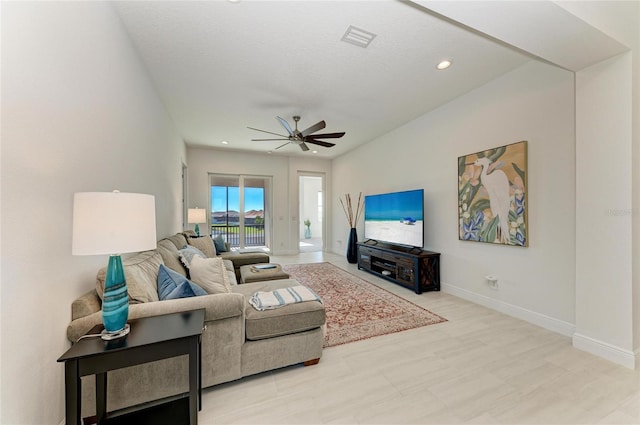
238,340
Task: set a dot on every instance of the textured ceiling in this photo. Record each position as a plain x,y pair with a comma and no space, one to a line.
220,67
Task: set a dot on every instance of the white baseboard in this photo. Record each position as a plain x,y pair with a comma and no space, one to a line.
602,349
555,325
626,358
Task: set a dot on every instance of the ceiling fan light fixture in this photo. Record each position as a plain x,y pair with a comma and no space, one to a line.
444,64
358,37
300,138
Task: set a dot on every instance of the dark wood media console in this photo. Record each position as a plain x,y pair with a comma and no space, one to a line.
412,268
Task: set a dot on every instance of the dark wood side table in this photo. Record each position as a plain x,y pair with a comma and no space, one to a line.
150,339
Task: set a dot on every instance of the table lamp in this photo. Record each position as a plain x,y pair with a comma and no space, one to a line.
196,216
113,223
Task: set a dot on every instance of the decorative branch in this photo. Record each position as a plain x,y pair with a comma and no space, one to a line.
347,207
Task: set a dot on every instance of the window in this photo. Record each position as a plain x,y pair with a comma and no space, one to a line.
240,210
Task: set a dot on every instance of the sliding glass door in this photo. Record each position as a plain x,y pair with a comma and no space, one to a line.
241,209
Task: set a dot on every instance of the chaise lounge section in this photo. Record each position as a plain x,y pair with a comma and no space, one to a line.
237,341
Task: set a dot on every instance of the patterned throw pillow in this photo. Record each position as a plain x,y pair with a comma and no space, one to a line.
185,290
204,244
187,253
173,285
210,274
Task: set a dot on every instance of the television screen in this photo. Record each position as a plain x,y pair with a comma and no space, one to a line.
395,217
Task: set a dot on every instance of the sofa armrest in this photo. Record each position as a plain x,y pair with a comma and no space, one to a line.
217,307
85,305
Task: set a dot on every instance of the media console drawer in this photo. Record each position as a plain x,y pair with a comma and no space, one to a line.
412,268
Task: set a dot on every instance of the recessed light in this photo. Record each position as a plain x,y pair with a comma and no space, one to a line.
444,64
224,142
269,152
314,151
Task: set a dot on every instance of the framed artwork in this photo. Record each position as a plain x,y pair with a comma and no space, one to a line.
492,196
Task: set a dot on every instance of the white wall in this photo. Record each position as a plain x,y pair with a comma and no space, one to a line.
608,106
533,103
79,113
603,210
284,171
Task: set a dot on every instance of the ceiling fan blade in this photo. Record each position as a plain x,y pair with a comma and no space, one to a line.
321,143
326,136
282,145
266,140
286,125
317,126
304,146
264,131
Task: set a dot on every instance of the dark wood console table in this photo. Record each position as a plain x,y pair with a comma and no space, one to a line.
150,339
412,268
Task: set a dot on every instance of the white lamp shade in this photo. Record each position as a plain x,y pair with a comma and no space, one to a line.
196,216
113,223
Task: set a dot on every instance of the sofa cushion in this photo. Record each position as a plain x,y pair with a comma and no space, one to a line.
141,273
171,256
179,240
243,259
210,274
285,320
204,244
187,253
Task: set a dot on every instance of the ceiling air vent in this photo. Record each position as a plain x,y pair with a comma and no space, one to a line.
358,37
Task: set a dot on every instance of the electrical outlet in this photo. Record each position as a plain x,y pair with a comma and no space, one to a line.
492,281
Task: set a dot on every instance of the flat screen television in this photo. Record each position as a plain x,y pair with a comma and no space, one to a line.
395,218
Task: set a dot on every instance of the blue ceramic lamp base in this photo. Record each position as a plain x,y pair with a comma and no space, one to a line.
115,302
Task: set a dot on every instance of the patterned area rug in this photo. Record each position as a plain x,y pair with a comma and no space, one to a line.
357,309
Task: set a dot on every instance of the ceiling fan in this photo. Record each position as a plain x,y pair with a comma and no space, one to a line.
301,138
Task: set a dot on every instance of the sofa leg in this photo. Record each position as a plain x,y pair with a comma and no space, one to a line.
312,362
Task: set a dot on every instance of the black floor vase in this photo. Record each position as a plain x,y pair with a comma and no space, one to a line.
352,246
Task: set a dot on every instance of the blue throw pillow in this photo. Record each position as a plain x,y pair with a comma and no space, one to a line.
169,280
218,241
185,290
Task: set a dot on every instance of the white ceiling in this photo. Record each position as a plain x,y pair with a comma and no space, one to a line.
221,66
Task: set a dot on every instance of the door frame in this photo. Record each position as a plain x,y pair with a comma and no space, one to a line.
323,235
268,204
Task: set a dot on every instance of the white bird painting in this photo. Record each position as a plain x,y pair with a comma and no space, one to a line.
496,183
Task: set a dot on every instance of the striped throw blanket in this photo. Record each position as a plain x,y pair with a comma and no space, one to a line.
268,300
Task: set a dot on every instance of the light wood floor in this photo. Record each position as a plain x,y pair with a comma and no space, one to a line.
480,367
